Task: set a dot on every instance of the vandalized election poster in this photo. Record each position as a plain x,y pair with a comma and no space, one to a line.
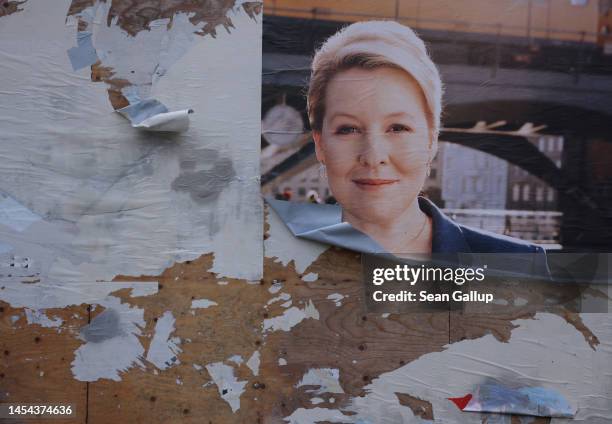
305,211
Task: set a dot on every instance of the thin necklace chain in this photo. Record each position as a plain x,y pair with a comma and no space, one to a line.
418,234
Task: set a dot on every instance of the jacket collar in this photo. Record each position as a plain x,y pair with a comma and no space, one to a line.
323,223
447,236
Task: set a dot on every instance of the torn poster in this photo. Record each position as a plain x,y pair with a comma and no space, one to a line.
130,63
497,398
322,223
151,115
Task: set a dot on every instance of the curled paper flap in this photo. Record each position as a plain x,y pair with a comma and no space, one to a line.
535,401
171,121
323,223
152,115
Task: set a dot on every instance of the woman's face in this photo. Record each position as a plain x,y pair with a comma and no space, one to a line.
375,142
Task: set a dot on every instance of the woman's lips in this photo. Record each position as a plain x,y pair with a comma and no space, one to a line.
373,183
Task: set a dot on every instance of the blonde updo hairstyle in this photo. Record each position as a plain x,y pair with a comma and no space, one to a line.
370,45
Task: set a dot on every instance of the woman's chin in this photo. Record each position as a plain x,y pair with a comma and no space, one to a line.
375,213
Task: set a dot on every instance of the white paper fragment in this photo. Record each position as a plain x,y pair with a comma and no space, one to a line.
38,317
228,385
336,298
290,318
202,303
236,359
315,415
326,378
275,287
119,349
163,350
284,246
253,363
282,296
310,277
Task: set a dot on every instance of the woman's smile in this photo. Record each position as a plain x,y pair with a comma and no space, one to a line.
374,184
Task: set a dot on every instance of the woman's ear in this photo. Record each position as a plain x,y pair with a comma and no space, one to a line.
433,147
316,136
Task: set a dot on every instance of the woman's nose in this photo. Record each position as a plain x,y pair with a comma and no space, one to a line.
373,150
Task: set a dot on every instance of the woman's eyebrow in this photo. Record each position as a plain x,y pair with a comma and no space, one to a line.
399,115
343,115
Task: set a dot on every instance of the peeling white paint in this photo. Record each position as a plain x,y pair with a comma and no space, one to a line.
163,350
275,287
197,367
282,362
110,357
316,400
310,277
253,363
546,352
228,385
315,415
327,379
282,296
37,316
46,296
202,303
336,298
89,195
286,304
236,359
290,318
284,246
520,301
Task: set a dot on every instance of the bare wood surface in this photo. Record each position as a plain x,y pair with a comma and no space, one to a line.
35,360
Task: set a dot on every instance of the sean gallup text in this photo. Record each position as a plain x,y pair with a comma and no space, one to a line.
424,296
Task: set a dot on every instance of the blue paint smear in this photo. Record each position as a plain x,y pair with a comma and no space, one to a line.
535,401
84,54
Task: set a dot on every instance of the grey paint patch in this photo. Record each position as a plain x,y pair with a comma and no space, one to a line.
205,184
103,327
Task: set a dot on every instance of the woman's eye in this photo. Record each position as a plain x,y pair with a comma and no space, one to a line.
397,128
347,129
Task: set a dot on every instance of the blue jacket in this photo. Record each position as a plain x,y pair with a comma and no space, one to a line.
323,223
451,237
